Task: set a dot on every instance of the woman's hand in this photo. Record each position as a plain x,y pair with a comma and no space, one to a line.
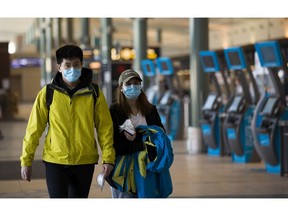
129,136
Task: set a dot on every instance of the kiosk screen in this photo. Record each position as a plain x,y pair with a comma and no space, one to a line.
208,61
269,106
268,54
209,102
148,68
235,104
164,66
234,58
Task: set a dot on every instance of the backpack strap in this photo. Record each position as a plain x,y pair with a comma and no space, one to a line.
49,97
95,89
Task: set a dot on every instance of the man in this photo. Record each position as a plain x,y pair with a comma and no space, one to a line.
70,149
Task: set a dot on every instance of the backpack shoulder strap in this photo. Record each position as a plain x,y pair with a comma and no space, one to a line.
95,89
49,97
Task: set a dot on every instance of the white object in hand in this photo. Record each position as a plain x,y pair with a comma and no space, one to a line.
100,180
128,126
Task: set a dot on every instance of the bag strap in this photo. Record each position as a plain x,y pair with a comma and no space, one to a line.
49,97
95,89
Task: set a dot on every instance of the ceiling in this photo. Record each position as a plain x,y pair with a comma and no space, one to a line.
174,31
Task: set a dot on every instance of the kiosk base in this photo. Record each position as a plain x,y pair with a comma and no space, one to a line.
214,152
273,169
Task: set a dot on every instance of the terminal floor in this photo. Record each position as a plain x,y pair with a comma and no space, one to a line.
193,175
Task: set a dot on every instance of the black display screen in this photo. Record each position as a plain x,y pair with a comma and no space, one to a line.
164,66
208,61
235,104
148,68
234,58
209,102
268,54
269,106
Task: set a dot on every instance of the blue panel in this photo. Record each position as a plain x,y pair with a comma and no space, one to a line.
273,169
214,152
206,129
264,139
209,61
174,118
269,54
235,58
148,68
231,133
165,66
240,159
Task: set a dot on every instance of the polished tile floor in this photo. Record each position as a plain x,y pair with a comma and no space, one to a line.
193,175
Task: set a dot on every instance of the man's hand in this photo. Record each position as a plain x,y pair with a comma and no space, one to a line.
26,173
107,168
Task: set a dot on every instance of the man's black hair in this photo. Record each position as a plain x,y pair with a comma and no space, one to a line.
68,52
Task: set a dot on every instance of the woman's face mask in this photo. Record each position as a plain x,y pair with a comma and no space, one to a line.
132,91
72,74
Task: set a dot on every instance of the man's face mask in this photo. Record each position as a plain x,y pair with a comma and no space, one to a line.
72,74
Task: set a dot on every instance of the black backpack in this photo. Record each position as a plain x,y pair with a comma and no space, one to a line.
50,92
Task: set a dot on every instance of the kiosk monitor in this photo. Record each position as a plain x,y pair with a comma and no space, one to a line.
209,61
235,104
210,102
235,58
270,105
165,66
148,68
269,54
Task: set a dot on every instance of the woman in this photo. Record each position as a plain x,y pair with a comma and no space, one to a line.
131,103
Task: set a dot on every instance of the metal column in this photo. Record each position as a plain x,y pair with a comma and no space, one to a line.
42,51
106,44
198,28
85,37
49,45
70,31
58,32
140,42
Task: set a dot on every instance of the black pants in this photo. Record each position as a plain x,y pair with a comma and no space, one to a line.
69,181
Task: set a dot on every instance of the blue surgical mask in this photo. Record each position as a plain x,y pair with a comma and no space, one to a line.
132,91
72,74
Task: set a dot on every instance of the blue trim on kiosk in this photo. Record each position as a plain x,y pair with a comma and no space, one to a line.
148,68
235,58
209,61
269,54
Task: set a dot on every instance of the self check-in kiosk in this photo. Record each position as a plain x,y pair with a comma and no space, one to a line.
213,107
271,108
149,71
239,113
170,106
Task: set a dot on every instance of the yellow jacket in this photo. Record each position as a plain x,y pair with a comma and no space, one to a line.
71,135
